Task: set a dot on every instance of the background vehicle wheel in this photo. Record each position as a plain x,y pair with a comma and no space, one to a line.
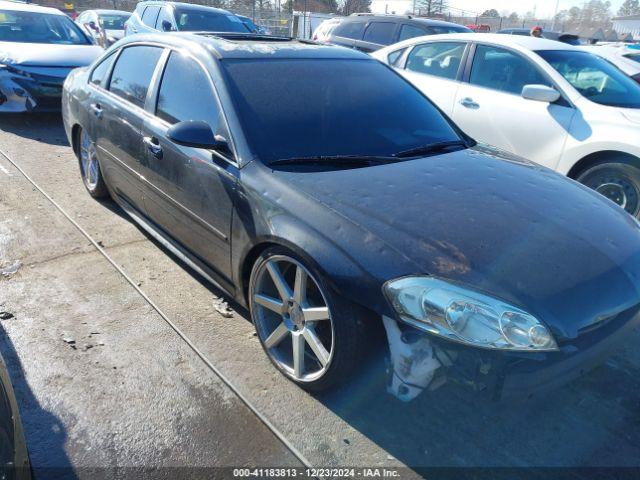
89,166
310,334
619,182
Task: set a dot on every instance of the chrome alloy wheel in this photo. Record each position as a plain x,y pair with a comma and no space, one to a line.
292,318
89,161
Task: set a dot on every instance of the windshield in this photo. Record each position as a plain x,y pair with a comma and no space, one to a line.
192,20
113,22
633,56
595,78
35,27
297,108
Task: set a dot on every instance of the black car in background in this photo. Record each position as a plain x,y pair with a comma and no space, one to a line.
368,32
323,191
161,16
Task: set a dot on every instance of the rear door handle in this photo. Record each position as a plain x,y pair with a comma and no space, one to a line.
153,146
469,103
96,108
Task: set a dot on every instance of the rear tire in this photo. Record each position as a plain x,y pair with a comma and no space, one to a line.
310,334
618,180
89,165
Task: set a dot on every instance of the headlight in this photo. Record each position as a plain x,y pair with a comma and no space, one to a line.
466,316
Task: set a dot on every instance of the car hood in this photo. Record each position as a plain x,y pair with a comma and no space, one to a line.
496,223
48,55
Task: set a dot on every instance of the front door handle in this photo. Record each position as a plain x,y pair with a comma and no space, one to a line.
469,103
96,108
153,146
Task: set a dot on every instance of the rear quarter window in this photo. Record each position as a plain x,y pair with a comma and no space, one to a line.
99,74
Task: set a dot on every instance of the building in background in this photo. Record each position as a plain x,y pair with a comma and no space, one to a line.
627,25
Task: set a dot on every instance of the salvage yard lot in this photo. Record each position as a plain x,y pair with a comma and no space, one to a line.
102,379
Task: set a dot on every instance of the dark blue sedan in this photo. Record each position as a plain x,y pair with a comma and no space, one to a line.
317,187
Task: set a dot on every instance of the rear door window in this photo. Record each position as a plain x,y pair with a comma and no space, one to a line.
132,73
176,102
441,59
352,30
381,33
150,15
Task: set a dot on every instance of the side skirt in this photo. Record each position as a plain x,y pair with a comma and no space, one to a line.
173,248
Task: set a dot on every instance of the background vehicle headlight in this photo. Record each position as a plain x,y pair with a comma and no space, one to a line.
466,316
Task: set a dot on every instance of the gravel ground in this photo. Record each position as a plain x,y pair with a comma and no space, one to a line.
139,396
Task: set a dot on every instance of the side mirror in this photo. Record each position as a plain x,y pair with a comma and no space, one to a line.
166,26
197,134
540,93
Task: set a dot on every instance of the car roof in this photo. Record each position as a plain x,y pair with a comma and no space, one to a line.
28,7
182,5
399,18
247,45
526,43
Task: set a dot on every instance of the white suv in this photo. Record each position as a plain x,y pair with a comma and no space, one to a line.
555,104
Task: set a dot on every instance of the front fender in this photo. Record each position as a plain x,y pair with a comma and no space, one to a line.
261,220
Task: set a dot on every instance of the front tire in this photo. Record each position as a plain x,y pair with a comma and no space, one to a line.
89,166
309,333
617,180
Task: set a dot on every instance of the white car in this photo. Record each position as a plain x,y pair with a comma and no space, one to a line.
39,46
321,33
105,26
550,102
624,56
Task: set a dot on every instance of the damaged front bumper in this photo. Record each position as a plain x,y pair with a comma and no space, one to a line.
32,89
421,361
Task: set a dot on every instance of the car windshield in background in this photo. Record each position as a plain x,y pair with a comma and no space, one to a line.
301,108
192,20
113,22
633,56
595,78
32,27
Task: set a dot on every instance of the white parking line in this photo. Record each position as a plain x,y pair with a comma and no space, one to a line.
181,334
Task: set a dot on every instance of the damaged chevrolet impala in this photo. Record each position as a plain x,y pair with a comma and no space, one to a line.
39,46
325,193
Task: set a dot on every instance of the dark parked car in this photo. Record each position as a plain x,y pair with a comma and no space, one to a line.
319,188
151,17
14,458
368,32
568,38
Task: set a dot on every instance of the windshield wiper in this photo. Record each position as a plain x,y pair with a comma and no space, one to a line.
430,148
340,160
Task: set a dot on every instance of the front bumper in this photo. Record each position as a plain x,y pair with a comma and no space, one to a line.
575,358
500,374
22,92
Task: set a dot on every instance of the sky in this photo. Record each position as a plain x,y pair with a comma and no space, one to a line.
544,8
